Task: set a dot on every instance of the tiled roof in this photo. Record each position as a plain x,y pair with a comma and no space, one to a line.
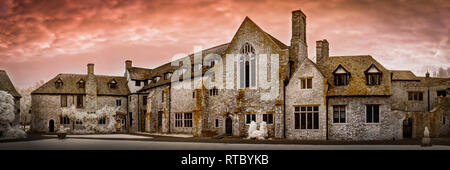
70,85
356,65
7,85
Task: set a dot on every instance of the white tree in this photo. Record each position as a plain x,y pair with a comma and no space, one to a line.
90,120
7,117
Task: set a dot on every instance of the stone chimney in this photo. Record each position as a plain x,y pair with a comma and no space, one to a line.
298,49
90,99
128,64
322,50
90,68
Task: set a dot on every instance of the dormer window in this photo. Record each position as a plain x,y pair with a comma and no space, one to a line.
167,76
59,83
373,76
81,83
156,79
112,84
341,76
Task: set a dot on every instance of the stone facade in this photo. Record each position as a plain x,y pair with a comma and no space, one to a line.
303,107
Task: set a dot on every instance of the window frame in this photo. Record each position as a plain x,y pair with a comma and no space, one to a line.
372,114
268,118
307,117
249,117
63,100
337,76
340,109
306,83
373,77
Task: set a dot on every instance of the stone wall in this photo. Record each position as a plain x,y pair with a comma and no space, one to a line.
355,126
316,96
48,107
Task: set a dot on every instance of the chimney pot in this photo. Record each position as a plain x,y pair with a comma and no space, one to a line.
90,68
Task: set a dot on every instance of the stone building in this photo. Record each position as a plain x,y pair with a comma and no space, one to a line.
87,92
7,86
209,93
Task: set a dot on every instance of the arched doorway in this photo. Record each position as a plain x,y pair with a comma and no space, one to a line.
51,126
407,128
229,126
160,120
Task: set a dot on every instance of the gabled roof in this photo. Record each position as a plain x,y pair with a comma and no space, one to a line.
403,75
356,65
220,50
137,73
70,85
254,27
7,85
161,70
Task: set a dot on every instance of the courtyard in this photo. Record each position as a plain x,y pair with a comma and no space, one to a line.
156,142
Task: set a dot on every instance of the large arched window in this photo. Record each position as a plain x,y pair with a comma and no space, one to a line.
247,66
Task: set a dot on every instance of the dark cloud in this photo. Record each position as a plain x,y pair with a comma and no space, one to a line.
401,34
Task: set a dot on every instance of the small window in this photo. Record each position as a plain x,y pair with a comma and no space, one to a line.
162,96
118,102
78,122
213,92
59,83
178,119
63,100
102,121
193,94
138,83
441,93
145,82
79,101
341,76
187,119
144,100
443,120
373,76
415,96
130,116
81,83
372,113
64,120
217,123
167,76
268,118
339,114
250,118
306,83
112,84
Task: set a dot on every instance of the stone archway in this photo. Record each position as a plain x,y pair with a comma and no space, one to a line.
407,128
51,126
229,126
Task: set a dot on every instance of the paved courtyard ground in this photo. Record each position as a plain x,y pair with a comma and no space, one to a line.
139,142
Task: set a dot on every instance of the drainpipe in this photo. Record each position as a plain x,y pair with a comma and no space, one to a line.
138,112
169,103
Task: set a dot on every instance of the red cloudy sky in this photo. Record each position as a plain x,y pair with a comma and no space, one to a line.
39,38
